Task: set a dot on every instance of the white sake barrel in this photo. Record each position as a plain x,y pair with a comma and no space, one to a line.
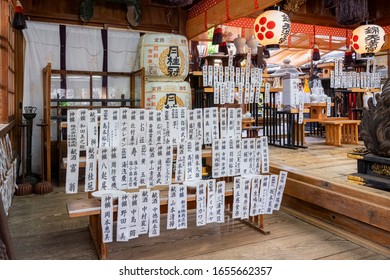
164,57
160,95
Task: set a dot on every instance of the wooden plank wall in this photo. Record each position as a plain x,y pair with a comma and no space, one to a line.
107,14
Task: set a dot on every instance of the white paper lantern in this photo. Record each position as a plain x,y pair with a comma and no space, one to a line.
272,28
368,39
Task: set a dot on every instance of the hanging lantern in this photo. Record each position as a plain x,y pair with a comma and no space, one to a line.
316,53
368,39
272,28
19,21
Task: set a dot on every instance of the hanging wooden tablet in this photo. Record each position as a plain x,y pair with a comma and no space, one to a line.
141,126
103,168
222,93
167,164
142,167
190,161
240,89
223,157
263,193
231,123
151,166
132,127
134,166
221,75
72,170
216,158
123,221
159,164
107,220
216,92
182,207
104,140
197,160
151,127
238,76
172,207
245,197
245,167
180,162
199,124
215,74
134,215
191,125
124,118
159,127
238,123
211,201
231,74
182,124
264,155
236,211
220,202
255,189
252,155
90,169
82,131
72,128
114,160
222,122
231,157
269,204
267,89
201,205
144,211
124,154
247,93
210,76
227,74
214,123
154,214
257,157
166,117
205,75
237,156
174,126
280,189
207,125
115,127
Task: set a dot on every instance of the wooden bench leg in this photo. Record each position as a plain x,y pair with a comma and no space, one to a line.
95,228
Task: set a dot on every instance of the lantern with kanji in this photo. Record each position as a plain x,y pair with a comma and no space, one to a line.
272,28
368,39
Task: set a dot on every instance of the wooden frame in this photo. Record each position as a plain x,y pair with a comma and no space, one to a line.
48,72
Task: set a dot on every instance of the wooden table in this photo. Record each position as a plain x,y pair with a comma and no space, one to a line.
90,207
338,132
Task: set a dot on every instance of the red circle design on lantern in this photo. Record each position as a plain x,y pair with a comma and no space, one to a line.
271,25
260,36
262,29
356,46
257,28
355,38
263,20
269,34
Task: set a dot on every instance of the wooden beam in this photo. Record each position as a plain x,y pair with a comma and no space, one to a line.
218,13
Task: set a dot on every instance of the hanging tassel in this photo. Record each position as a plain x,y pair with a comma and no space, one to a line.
222,48
217,35
348,57
19,21
306,87
316,53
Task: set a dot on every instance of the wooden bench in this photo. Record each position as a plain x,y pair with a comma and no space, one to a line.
90,207
338,132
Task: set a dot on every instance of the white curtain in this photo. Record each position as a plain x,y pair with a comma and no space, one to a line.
122,57
42,47
84,52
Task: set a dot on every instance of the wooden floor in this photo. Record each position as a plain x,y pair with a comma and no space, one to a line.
41,229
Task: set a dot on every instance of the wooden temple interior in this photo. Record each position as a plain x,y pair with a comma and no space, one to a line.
330,210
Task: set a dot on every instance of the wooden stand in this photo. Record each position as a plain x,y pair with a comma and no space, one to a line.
90,207
338,132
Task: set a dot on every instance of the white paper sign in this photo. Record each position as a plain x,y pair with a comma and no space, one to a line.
269,204
220,202
264,155
263,193
144,211
134,222
254,207
107,220
82,128
172,207
236,198
103,168
182,207
280,189
72,170
245,199
123,221
154,213
211,201
90,169
92,123
201,205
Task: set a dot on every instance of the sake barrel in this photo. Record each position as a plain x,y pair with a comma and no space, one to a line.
165,95
164,57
